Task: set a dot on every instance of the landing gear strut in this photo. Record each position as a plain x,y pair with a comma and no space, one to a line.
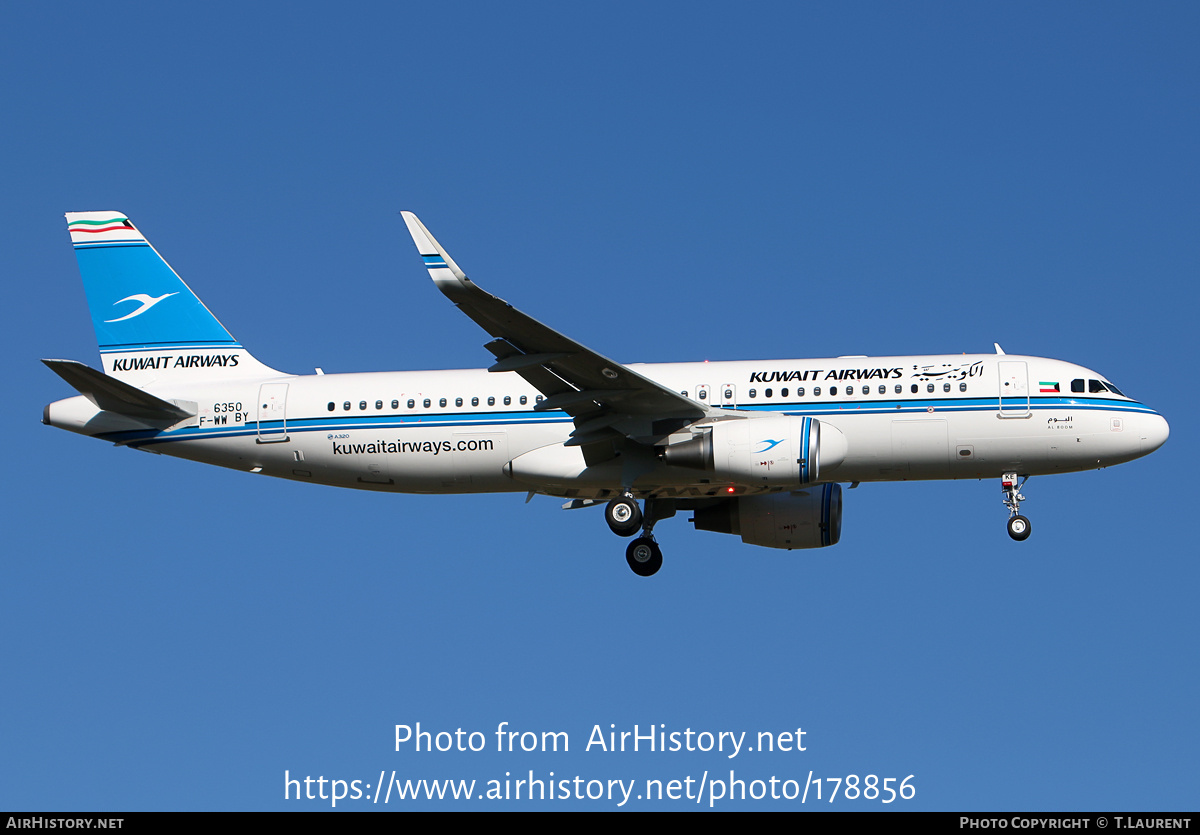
1018,526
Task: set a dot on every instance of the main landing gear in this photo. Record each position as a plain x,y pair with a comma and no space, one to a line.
624,517
644,556
1018,526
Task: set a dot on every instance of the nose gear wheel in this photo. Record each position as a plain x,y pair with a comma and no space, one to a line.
1018,526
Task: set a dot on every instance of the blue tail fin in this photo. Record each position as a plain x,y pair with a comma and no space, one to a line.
149,324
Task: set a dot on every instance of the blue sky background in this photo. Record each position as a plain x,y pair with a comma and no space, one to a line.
662,183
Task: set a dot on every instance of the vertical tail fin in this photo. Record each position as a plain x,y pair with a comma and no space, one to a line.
149,324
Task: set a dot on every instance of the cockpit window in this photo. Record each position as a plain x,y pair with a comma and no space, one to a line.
1077,386
1113,388
1096,387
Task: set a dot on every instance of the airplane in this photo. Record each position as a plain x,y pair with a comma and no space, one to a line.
753,448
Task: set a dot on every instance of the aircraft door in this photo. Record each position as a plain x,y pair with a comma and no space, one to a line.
729,395
272,413
1014,389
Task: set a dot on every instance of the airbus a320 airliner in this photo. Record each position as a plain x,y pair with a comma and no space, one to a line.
756,449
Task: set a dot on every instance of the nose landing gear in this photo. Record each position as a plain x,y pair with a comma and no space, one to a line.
1018,526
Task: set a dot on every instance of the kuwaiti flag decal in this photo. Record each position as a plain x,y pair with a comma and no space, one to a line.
102,229
1047,388
95,226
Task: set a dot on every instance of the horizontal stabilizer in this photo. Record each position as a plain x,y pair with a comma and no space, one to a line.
113,395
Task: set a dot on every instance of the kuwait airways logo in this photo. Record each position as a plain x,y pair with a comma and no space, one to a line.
769,445
146,301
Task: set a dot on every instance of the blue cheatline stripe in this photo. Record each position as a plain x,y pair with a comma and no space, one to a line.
474,420
136,347
979,404
297,425
104,244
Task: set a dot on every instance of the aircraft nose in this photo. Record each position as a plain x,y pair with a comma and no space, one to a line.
1153,432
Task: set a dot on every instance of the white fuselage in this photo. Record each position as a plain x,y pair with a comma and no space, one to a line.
458,431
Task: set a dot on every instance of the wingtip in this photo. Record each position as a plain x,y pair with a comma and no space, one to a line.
427,247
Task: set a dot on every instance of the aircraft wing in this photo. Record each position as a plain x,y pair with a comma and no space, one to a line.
608,400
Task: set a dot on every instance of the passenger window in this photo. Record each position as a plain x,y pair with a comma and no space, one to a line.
442,403
474,401
362,405
767,393
412,404
833,391
914,388
346,405
1077,386
491,401
395,404
524,400
703,394
866,389
753,393
962,386
800,391
816,391
945,387
426,402
331,406
539,399
883,389
507,400
378,404
929,387
899,388
783,392
728,394
458,402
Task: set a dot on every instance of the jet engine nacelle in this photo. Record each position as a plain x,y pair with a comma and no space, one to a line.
775,451
809,518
